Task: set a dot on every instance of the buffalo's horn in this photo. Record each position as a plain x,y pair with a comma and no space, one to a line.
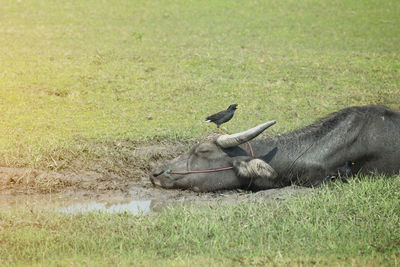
231,140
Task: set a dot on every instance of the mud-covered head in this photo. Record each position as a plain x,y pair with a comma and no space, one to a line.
217,163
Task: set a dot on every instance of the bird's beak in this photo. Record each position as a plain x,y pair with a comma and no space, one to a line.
353,163
238,106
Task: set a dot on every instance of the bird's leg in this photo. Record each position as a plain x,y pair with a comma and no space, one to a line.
220,131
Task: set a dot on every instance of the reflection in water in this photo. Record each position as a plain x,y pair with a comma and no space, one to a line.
76,205
136,207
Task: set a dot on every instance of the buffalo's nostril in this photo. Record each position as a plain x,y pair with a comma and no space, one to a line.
156,172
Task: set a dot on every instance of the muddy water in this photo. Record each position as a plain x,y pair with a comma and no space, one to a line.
139,200
68,205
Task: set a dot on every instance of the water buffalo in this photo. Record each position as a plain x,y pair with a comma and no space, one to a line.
368,136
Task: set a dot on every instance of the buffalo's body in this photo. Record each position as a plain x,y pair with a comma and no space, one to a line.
369,136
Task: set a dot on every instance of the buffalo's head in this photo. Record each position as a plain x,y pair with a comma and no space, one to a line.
219,162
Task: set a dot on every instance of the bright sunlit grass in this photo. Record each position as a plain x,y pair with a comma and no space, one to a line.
142,68
105,70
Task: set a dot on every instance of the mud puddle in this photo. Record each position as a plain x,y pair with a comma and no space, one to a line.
81,203
115,181
139,200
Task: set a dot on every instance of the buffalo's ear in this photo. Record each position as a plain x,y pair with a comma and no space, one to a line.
254,168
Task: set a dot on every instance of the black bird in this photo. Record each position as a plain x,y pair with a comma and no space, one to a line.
343,171
222,116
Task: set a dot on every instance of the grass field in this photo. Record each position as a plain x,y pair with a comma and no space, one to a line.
135,69
72,71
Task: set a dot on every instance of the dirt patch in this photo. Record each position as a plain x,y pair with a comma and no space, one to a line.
108,165
114,172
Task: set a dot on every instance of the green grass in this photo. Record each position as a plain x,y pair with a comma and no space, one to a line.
73,71
135,69
347,224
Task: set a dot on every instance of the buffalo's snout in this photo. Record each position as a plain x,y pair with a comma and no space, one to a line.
154,173
157,172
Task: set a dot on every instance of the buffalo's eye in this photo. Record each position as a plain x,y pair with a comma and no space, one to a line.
203,151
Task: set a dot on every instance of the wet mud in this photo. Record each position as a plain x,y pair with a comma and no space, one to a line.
115,182
139,200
